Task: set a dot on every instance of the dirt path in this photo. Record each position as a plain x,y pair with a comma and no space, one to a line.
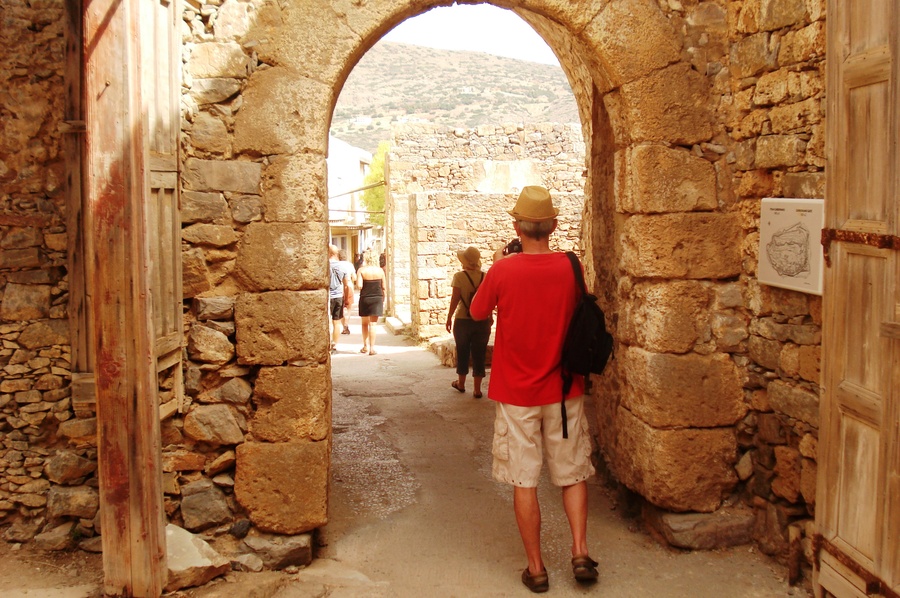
415,513
414,505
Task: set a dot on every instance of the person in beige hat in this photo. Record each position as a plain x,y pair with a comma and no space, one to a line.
535,294
471,336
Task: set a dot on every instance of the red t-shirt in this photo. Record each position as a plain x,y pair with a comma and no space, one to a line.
535,296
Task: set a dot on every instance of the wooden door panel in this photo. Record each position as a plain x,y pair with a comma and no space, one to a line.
857,517
868,144
867,24
858,334
858,497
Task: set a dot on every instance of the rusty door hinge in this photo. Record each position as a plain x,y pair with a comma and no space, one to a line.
860,238
873,585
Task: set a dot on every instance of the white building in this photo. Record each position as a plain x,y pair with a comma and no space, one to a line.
349,227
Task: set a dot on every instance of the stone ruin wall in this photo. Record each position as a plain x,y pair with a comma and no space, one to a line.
765,65
764,62
461,183
47,455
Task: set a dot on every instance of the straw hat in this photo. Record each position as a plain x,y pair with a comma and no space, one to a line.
534,205
470,258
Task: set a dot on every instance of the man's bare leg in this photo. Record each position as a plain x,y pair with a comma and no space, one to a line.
335,331
528,517
575,504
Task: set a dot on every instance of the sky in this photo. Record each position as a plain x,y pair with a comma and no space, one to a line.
476,28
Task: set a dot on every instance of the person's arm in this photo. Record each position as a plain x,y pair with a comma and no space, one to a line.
348,291
454,301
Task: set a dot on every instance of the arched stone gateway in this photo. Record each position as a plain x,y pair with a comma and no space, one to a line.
657,238
691,113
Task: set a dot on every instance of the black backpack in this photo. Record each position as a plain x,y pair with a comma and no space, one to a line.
588,345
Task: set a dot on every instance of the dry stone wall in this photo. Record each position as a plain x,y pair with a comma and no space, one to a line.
47,456
459,184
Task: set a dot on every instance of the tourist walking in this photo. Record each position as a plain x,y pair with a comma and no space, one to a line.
370,280
534,293
471,336
350,270
339,292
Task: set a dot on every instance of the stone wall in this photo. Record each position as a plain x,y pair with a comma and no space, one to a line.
460,184
708,356
47,458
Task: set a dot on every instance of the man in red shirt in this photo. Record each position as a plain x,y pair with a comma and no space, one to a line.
534,293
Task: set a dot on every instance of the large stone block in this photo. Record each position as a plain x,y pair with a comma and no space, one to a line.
282,326
283,486
292,404
665,390
671,104
298,128
775,14
795,401
239,176
779,151
802,45
25,302
218,59
753,55
635,37
294,189
666,317
661,179
282,255
690,245
676,469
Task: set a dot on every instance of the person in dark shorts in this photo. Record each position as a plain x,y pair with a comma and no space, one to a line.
339,290
471,336
370,280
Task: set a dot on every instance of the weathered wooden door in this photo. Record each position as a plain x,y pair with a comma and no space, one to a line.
858,499
127,235
161,93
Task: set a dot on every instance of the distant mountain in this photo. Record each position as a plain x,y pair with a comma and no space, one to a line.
396,83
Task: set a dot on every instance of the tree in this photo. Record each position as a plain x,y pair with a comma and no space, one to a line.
373,199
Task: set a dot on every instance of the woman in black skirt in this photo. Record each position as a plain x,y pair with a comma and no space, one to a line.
370,279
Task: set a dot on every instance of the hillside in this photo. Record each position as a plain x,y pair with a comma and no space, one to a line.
404,83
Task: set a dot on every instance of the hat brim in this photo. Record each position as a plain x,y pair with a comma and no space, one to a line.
518,216
461,256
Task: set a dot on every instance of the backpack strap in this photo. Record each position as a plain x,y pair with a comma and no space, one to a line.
474,286
567,376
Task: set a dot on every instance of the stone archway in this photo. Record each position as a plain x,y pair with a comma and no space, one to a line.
656,243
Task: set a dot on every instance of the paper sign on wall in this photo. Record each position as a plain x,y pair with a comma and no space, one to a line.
790,248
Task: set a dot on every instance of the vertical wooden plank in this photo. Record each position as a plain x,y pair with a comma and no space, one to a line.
128,425
79,245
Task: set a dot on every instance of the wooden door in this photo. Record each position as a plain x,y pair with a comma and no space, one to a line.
161,93
858,498
127,237
160,73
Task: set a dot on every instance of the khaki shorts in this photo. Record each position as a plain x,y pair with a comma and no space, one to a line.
522,435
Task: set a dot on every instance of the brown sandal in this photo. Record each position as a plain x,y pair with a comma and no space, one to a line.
585,569
537,583
455,384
